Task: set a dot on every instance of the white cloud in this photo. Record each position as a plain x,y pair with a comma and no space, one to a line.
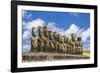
87,44
26,47
29,25
80,32
26,15
36,23
83,33
24,23
51,26
26,34
74,14
27,31
72,29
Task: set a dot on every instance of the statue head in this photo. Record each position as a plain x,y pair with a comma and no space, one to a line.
62,39
73,37
45,27
55,34
33,28
79,39
40,31
39,26
33,32
67,39
49,32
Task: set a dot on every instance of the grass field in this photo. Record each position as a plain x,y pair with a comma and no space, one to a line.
86,53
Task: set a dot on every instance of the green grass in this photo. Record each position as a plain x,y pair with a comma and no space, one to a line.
86,53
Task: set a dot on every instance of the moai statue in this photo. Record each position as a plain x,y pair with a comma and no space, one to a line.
64,38
76,46
40,31
55,39
80,45
61,44
57,48
50,34
41,40
45,31
33,41
64,44
67,45
50,40
73,39
45,35
55,35
70,46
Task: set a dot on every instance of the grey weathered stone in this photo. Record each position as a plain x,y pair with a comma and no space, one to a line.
49,41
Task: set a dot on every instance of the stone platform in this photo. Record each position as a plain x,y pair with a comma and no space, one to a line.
41,56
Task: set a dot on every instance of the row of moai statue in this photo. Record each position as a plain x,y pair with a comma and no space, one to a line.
52,42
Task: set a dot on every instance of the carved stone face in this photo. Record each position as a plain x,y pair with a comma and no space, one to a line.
40,30
39,27
77,43
33,31
79,39
67,39
73,37
58,38
45,31
62,39
54,35
49,32
33,27
45,27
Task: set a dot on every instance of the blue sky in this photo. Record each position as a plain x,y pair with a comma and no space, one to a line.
66,22
63,19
